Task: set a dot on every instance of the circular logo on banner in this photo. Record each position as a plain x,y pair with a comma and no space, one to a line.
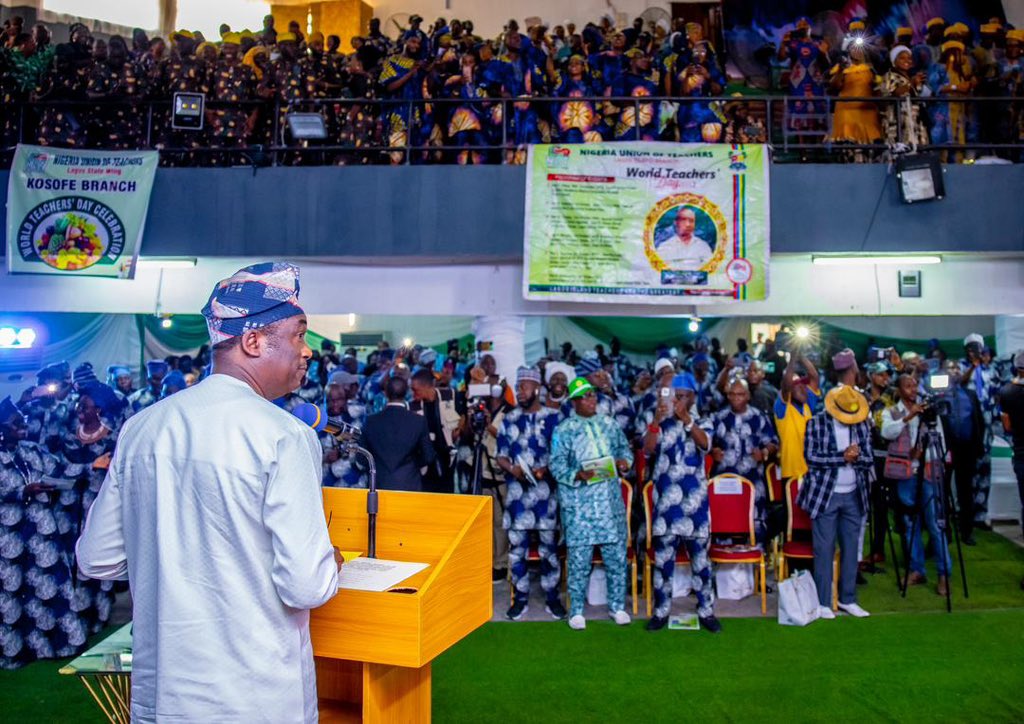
683,232
71,233
739,271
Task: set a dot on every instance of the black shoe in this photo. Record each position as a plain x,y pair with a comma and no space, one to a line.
556,609
657,623
982,526
710,624
861,580
499,574
518,610
969,541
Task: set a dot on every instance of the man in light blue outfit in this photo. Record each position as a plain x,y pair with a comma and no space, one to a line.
588,453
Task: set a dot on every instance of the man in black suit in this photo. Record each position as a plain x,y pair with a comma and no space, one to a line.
399,441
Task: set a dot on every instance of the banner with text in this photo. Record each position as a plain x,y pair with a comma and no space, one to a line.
77,213
664,223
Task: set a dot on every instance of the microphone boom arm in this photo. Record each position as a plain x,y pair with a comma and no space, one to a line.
351,446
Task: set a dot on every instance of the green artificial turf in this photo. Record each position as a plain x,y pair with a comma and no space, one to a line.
966,666
994,569
910,662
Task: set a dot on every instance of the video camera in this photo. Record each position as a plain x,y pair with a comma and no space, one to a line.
477,407
932,403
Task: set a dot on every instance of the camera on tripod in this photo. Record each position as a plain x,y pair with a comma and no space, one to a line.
932,404
478,406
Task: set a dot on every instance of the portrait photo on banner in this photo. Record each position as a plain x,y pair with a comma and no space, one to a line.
681,239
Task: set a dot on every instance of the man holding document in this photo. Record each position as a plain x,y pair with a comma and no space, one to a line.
212,510
588,453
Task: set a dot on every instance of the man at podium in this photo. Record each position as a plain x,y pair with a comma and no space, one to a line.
212,509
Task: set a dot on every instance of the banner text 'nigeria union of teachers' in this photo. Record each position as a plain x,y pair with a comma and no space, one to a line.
646,222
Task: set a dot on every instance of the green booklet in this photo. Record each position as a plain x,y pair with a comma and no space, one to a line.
604,469
685,622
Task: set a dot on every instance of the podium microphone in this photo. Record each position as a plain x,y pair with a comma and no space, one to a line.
348,438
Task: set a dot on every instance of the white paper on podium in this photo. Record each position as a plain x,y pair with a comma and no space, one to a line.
375,574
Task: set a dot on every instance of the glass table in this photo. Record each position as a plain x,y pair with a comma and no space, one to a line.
106,671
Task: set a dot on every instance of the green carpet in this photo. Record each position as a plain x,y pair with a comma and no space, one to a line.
910,662
927,667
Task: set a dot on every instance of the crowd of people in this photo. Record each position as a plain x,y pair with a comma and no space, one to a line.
551,445
453,96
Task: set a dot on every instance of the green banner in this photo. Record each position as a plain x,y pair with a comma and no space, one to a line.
81,213
646,222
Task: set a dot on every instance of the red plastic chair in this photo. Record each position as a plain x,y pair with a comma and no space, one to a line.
798,520
682,557
776,489
733,514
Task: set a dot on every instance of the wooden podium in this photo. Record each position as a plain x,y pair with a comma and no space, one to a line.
373,650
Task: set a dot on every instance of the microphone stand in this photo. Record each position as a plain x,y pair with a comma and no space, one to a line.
352,446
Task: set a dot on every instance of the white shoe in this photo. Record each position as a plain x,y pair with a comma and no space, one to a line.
577,622
621,618
826,613
854,610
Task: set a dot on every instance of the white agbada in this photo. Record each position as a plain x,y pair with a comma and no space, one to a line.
212,508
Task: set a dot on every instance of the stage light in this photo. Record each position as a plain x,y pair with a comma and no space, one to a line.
803,332
407,342
160,262
694,325
26,337
8,336
166,322
920,177
187,111
868,260
307,126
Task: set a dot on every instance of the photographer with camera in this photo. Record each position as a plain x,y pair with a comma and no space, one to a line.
478,472
524,443
440,408
965,433
922,504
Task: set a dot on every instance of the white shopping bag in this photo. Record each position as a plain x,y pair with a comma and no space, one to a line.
734,580
682,582
798,600
597,590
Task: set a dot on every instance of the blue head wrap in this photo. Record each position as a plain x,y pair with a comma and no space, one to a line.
699,357
115,371
104,397
685,381
252,298
587,366
8,409
156,367
174,379
84,374
57,372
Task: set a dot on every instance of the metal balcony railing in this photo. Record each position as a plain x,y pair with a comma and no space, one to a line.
983,126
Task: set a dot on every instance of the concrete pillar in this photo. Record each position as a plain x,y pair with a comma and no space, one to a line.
507,335
1009,334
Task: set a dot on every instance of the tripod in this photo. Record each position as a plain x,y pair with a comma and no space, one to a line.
886,492
930,443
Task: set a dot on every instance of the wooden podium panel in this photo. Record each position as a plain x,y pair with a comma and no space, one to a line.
373,650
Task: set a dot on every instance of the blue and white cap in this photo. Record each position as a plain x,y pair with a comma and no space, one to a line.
251,298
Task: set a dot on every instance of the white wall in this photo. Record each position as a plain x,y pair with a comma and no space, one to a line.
489,17
963,285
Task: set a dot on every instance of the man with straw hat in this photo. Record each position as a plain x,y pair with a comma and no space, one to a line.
588,453
835,489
